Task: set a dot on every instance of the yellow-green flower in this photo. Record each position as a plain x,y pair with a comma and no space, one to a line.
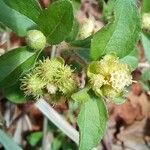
109,76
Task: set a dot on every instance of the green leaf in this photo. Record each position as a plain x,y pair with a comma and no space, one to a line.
119,100
146,45
14,94
56,21
108,9
84,54
34,138
86,43
92,121
14,63
131,59
73,34
29,8
76,5
146,6
81,96
146,75
15,20
145,80
121,35
58,142
7,142
2,27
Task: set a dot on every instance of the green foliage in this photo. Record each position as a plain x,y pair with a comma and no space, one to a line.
76,5
146,6
58,142
73,34
108,9
86,43
34,138
14,94
131,59
81,96
14,63
56,21
2,27
121,35
15,20
146,45
7,142
92,121
145,80
29,8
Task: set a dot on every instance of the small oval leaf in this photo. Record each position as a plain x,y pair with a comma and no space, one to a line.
92,121
56,21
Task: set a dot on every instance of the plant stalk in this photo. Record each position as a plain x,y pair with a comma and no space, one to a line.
58,120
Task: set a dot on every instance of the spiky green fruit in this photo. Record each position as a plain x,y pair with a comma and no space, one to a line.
50,77
55,72
32,85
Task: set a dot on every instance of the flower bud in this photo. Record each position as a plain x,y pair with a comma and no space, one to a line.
36,39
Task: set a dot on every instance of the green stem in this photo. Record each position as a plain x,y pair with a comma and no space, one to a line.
53,51
45,122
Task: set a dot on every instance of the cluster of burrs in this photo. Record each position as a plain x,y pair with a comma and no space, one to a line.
50,76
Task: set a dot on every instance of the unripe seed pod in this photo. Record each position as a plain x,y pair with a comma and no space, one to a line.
36,39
